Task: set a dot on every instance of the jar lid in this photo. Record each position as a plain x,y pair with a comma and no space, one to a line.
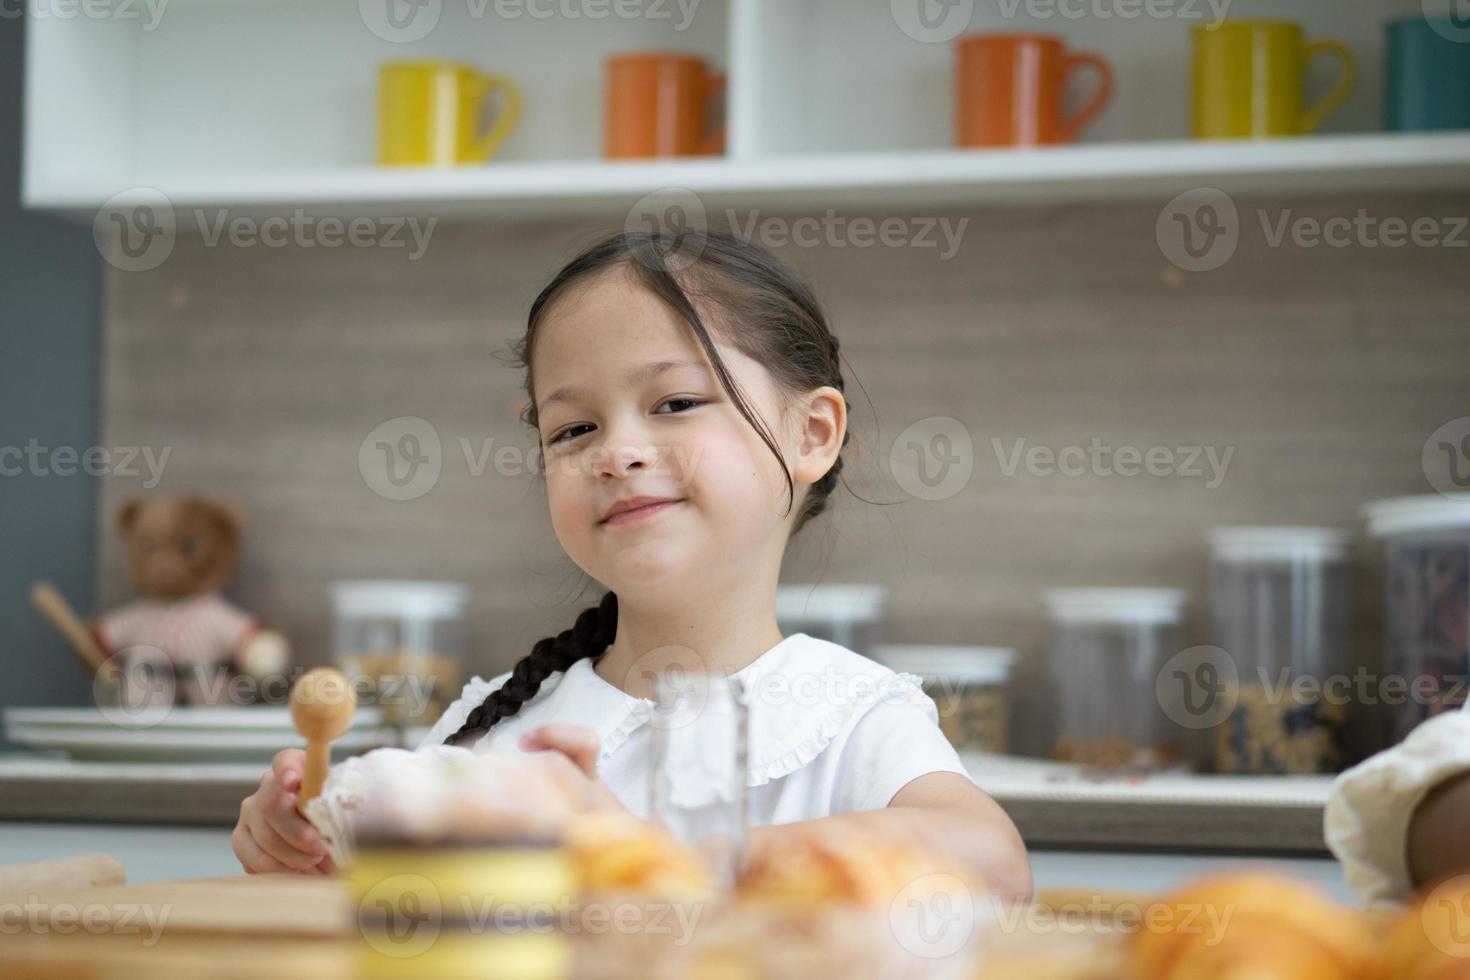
1264,543
980,665
1425,512
845,602
1115,605
406,598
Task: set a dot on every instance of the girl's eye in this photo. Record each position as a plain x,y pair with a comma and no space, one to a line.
567,433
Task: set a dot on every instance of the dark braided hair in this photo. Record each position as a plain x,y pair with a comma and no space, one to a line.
766,312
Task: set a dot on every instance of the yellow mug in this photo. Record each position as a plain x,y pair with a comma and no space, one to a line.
1249,76
429,113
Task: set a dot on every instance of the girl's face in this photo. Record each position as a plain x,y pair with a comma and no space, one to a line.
629,406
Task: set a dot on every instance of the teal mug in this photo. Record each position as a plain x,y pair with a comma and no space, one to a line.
1426,75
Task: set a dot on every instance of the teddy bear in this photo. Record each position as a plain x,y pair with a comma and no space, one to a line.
182,640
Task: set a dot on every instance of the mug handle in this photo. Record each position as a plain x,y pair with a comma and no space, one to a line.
1313,117
1073,126
714,143
510,114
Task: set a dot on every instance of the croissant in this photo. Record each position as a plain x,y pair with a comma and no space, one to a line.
1252,924
843,866
616,852
1431,940
848,903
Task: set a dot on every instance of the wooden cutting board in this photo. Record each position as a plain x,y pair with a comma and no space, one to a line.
284,927
286,905
280,927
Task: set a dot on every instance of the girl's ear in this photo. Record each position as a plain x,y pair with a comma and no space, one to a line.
822,418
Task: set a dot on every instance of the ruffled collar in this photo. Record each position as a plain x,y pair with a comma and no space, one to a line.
803,692
579,696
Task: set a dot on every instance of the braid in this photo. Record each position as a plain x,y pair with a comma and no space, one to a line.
590,635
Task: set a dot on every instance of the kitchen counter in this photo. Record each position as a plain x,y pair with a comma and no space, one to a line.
1060,805
1054,805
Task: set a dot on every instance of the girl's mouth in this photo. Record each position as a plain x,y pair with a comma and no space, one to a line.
642,513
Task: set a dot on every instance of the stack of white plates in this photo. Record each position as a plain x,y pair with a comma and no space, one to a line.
253,734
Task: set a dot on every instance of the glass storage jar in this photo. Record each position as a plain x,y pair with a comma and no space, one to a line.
1279,611
970,687
1107,647
1426,605
402,643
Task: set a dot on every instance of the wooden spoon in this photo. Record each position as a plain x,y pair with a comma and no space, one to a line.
322,702
53,605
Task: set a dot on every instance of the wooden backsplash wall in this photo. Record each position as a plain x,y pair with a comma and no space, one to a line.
263,369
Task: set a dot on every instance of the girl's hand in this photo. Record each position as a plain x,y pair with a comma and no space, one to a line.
270,835
576,745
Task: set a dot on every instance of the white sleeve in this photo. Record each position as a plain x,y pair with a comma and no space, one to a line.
1367,817
473,695
892,744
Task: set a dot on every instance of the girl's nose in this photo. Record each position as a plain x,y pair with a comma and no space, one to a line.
625,449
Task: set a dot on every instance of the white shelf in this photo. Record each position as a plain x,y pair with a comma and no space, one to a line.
269,105
1093,172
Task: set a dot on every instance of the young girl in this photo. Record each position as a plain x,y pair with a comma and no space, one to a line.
689,402
1399,822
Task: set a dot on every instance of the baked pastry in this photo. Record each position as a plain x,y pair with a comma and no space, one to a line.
612,851
1255,924
440,793
641,894
453,863
839,866
845,902
1430,941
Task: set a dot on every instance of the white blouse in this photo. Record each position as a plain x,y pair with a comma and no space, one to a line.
830,731
1368,813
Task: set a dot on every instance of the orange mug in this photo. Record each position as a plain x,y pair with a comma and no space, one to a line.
658,105
1011,90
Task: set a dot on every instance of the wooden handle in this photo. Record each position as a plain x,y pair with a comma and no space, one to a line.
81,871
322,703
55,608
